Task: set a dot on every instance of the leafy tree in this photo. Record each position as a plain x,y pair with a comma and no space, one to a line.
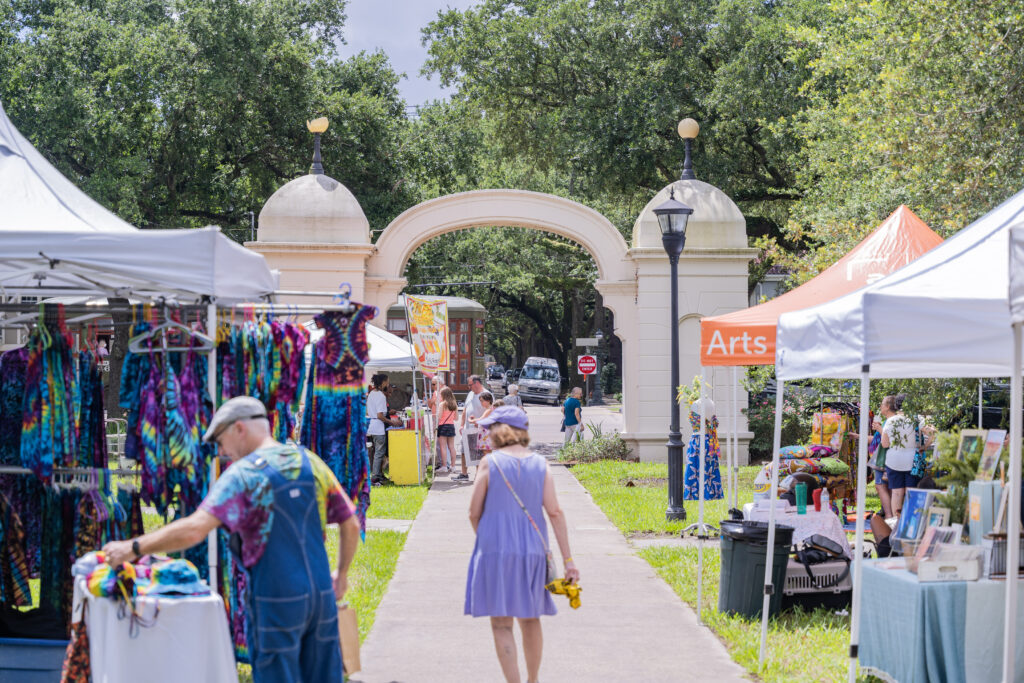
176,113
910,102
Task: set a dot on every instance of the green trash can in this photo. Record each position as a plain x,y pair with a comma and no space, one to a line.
741,582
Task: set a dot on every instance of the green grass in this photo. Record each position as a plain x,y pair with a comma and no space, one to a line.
371,571
397,502
640,509
802,646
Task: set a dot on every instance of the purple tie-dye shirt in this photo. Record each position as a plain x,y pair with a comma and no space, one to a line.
243,497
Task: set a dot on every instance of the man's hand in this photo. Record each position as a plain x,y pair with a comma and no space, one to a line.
340,584
118,552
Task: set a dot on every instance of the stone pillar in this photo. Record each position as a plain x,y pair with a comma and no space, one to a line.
712,280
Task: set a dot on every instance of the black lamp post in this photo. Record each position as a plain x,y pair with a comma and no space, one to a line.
672,217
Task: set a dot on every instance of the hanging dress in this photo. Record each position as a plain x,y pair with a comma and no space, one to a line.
712,478
333,424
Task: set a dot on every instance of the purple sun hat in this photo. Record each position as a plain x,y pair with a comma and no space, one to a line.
509,415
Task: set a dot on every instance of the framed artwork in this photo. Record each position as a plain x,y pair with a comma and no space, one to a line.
914,518
990,453
938,516
971,441
999,522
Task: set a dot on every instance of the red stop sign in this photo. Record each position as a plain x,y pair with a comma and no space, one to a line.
587,365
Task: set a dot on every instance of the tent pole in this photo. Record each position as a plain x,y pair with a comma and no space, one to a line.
862,484
211,383
735,436
769,588
415,401
981,400
1013,524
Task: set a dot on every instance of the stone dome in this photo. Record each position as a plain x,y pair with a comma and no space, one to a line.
716,222
313,209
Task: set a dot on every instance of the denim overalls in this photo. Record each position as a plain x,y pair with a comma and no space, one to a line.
293,619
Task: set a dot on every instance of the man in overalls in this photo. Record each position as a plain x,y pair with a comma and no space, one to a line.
276,499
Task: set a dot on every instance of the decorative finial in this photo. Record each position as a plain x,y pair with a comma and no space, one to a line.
316,127
688,130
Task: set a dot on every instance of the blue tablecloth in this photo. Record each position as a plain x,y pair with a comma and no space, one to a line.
934,632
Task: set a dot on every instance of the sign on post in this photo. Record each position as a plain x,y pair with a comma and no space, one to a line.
586,341
586,365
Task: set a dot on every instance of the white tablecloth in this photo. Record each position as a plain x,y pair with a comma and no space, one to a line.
189,640
824,523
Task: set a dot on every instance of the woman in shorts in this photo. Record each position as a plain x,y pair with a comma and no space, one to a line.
448,408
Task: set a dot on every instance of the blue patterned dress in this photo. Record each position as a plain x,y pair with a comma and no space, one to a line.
712,478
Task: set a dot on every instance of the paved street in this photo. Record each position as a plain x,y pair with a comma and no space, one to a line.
631,625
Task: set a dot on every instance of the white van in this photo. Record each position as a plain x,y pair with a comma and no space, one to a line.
540,380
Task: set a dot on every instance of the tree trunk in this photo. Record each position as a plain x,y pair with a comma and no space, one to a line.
118,350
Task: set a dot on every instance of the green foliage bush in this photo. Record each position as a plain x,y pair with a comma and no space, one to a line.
601,447
796,423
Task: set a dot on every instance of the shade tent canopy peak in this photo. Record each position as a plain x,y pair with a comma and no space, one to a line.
748,336
947,314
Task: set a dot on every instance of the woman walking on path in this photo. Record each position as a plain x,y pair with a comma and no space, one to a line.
447,409
508,569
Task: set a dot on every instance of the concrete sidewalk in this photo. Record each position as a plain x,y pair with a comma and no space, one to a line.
631,626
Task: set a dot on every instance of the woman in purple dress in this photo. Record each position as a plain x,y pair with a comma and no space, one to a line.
509,565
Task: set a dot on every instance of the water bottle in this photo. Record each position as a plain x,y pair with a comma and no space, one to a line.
825,502
801,498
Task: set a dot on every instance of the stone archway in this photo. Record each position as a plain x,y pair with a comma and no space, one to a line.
513,208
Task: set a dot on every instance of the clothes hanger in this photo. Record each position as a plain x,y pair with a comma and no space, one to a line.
343,298
135,345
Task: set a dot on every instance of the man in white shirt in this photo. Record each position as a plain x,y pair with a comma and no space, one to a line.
471,408
377,411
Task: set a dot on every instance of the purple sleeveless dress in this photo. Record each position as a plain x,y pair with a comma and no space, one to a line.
508,566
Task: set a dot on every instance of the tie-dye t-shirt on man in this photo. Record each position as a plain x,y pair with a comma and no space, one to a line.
243,497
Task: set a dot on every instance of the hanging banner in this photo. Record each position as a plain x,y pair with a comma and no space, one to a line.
428,332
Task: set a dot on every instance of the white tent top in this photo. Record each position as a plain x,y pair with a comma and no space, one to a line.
388,352
37,197
1017,274
179,265
946,314
56,241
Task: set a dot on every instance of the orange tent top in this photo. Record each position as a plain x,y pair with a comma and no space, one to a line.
747,337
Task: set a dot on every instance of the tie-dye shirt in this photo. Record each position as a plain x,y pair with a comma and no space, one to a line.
243,497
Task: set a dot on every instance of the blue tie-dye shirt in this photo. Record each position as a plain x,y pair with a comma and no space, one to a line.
243,497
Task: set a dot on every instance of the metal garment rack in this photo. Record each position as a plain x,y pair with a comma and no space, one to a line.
17,469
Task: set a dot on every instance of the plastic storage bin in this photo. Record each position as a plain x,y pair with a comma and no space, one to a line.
744,547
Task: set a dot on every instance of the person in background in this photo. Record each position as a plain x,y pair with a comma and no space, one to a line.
448,408
470,408
507,570
512,398
101,349
877,465
377,411
572,411
482,442
278,499
899,440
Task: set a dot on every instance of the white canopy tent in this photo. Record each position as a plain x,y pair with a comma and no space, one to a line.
57,241
37,197
181,265
947,314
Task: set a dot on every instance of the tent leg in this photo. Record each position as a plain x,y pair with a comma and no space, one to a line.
862,484
735,436
981,401
211,382
768,587
701,455
1013,525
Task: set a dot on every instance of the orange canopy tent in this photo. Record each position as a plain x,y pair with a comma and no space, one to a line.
747,337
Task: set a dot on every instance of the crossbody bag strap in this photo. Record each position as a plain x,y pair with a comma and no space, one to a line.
494,461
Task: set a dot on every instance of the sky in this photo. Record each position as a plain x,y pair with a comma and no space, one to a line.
394,26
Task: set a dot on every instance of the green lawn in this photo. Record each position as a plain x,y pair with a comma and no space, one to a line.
640,509
802,646
397,502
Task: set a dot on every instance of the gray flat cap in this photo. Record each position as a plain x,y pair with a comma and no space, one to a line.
234,410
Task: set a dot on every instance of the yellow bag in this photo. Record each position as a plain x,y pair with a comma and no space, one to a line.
348,629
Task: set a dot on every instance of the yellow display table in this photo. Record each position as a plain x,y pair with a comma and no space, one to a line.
404,469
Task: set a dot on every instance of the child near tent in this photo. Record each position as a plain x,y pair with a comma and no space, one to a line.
483,442
447,408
